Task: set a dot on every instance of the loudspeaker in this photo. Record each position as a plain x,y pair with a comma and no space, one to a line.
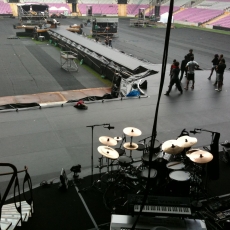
157,11
213,167
89,10
74,7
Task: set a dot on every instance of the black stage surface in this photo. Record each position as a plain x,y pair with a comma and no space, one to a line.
50,139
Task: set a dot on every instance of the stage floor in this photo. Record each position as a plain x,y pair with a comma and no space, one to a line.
50,139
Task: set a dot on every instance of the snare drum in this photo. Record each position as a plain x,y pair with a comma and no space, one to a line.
175,165
180,183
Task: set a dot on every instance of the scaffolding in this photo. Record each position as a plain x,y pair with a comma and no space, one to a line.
68,61
33,14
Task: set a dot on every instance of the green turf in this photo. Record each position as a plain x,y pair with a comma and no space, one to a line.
201,28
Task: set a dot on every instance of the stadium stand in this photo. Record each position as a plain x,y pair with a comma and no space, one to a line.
139,2
5,8
105,9
89,2
178,3
217,5
224,22
197,15
133,9
60,7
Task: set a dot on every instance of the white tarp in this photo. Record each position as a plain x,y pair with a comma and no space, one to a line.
164,18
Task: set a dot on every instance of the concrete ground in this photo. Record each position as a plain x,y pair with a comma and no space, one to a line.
49,139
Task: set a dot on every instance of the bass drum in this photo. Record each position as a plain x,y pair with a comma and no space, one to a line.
179,184
158,163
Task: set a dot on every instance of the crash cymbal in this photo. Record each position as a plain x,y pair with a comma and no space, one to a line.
117,138
130,146
186,141
108,141
108,152
201,156
172,147
131,131
190,151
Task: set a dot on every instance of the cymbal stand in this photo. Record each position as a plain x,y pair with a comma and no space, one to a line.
92,164
196,177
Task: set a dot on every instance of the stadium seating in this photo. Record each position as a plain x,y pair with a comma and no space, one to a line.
177,3
224,22
197,15
217,5
60,7
164,9
138,2
5,8
133,9
105,9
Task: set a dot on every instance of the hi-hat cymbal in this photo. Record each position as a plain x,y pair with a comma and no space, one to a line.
186,141
108,141
130,146
131,131
172,147
201,156
117,138
108,152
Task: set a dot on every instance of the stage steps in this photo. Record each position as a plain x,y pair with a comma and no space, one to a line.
10,217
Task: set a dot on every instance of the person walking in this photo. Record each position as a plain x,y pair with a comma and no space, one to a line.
183,67
215,62
175,79
189,55
106,41
191,65
220,58
220,74
110,42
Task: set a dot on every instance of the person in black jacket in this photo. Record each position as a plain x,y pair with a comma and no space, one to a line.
175,79
220,74
183,67
215,62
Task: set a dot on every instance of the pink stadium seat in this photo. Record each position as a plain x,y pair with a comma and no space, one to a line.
197,15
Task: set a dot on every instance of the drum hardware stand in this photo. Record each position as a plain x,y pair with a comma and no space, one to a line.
197,186
92,165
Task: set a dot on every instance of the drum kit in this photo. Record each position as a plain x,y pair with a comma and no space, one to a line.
168,166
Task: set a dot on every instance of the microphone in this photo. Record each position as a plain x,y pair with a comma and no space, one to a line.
194,132
110,127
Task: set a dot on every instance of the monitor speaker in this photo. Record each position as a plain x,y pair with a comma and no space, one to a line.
157,11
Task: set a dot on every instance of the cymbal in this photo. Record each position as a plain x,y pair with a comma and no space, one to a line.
201,156
131,131
172,147
108,152
190,151
108,141
117,138
130,147
186,141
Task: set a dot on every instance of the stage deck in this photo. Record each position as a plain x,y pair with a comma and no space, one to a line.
109,53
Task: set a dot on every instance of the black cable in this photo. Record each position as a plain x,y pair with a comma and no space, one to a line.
154,130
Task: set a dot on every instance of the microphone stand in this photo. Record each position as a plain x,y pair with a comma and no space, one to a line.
92,165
